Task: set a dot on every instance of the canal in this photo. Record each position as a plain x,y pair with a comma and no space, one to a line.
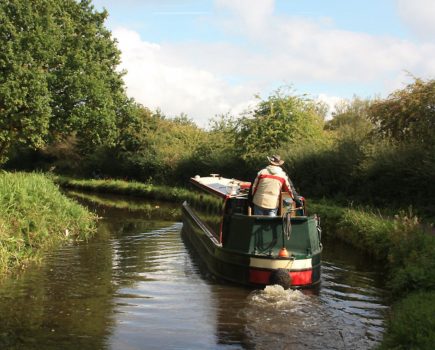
138,285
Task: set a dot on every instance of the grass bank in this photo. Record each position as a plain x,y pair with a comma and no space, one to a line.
146,210
35,216
408,253
137,189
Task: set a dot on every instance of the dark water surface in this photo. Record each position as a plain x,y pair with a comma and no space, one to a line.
137,285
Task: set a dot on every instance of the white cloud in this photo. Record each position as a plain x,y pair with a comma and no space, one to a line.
251,14
203,79
156,80
331,102
419,15
303,51
300,49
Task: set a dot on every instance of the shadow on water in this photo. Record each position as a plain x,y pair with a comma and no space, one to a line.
137,285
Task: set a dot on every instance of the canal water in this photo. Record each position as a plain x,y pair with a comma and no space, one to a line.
138,285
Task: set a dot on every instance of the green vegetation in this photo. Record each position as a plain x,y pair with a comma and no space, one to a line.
63,108
35,216
279,122
137,189
408,254
130,188
412,323
145,209
58,80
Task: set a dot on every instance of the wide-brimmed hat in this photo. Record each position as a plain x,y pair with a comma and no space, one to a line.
275,160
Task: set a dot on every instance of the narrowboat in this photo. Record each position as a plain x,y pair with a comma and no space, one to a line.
252,250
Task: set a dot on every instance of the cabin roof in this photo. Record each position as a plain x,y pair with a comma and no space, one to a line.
220,186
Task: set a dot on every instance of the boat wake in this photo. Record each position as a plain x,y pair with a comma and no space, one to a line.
292,319
275,296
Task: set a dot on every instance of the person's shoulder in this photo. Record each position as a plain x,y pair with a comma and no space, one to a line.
262,171
282,172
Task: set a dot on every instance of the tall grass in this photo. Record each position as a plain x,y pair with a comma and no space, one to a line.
34,215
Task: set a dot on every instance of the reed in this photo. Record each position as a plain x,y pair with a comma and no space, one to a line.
34,216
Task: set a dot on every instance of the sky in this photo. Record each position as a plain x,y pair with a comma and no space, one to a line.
204,58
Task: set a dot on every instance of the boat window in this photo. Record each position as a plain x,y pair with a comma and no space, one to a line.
236,206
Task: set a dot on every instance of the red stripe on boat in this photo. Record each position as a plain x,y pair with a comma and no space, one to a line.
259,276
299,278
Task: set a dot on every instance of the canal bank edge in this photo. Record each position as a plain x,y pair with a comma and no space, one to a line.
408,255
34,217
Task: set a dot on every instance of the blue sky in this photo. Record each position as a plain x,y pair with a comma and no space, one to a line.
205,58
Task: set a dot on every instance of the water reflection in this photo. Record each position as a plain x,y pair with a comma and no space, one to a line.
68,298
137,285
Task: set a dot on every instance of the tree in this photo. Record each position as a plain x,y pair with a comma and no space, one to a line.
281,119
407,115
24,96
350,124
57,74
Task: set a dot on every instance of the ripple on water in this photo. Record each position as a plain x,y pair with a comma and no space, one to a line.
137,286
291,319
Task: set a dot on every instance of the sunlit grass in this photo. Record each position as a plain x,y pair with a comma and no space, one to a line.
34,215
147,209
138,189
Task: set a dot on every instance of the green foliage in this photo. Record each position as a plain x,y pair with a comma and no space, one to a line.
215,152
363,228
411,256
24,100
350,118
33,216
332,168
366,230
133,154
408,254
407,115
318,172
400,176
329,213
364,162
58,75
412,323
176,140
278,122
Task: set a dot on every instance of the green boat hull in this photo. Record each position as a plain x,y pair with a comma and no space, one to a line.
248,249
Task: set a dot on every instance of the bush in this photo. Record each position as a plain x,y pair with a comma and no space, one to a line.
412,323
411,257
